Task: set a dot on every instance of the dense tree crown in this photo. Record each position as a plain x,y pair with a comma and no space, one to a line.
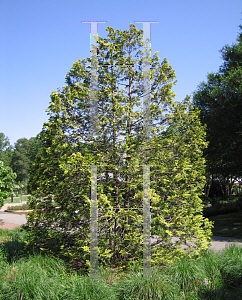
220,102
19,158
24,154
174,149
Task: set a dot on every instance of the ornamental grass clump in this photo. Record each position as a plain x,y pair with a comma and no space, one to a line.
32,275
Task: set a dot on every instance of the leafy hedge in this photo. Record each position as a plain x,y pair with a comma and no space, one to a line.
223,208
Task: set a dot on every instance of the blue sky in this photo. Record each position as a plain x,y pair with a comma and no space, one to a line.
41,39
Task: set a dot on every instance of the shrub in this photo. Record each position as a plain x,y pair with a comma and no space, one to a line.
19,207
62,172
222,208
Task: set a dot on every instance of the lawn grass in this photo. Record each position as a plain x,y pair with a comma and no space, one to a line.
35,276
16,200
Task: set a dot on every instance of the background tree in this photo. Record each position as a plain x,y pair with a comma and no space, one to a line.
219,100
34,148
59,174
20,159
6,182
25,152
6,150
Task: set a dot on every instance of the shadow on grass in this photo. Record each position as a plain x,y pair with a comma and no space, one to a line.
229,225
13,249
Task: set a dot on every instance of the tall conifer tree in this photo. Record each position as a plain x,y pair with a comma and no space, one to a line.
60,171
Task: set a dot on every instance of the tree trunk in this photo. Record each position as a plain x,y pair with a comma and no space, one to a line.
231,186
208,186
221,186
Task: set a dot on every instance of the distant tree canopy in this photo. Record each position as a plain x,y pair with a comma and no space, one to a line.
7,178
25,152
6,150
220,102
20,157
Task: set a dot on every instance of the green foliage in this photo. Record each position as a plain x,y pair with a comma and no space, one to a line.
216,275
6,150
19,207
22,187
219,100
221,209
6,182
62,172
20,159
4,142
16,200
34,148
25,152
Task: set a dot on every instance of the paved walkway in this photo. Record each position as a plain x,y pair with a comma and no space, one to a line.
18,219
218,243
5,206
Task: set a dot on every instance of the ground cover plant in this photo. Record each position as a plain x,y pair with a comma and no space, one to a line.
19,207
234,204
32,275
